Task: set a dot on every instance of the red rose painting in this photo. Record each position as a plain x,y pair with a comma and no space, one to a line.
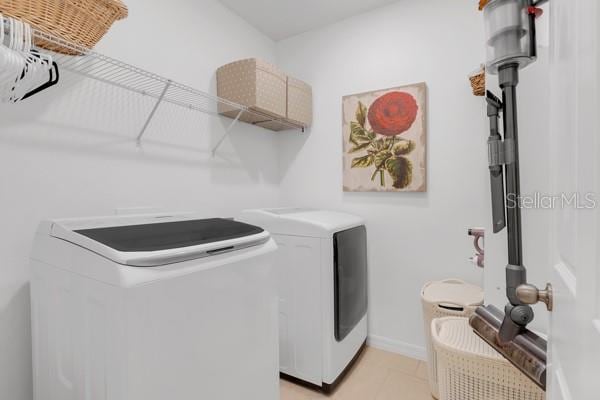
384,140
393,113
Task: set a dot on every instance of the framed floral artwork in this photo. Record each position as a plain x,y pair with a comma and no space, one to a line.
385,140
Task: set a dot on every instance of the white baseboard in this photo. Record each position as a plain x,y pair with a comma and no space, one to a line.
394,346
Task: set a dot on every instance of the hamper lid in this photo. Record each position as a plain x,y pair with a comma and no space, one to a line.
457,334
453,291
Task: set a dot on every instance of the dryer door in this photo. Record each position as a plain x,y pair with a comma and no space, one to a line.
350,279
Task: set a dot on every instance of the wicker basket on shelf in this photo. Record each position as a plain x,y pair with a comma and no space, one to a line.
478,82
82,22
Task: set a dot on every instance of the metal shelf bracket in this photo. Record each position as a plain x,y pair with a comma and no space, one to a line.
154,109
227,132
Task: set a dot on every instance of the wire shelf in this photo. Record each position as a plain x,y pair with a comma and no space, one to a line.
90,64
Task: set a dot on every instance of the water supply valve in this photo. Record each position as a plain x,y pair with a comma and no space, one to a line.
478,235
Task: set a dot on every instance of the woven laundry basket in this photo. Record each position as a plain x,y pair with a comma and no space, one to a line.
448,298
469,369
82,22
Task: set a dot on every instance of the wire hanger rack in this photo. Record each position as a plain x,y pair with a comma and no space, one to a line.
90,64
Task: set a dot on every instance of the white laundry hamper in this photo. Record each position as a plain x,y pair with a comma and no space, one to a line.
447,298
469,369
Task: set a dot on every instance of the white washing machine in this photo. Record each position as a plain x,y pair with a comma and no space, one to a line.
322,268
154,308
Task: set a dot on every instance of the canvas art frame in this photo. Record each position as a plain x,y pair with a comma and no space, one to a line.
385,140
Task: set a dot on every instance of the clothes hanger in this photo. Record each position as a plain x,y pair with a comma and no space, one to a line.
13,62
24,71
17,44
36,71
40,73
53,80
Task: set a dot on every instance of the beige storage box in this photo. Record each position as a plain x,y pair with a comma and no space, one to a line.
299,102
469,369
256,84
448,298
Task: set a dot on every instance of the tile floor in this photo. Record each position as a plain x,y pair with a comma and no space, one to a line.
377,375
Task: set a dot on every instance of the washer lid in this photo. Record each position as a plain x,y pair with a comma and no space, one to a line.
148,243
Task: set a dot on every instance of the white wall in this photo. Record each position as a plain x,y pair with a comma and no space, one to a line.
413,237
70,152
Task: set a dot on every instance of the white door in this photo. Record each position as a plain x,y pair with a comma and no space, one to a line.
574,372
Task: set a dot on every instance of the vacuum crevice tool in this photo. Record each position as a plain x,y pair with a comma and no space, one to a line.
496,157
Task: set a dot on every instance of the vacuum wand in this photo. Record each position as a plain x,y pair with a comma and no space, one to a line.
507,332
503,155
517,314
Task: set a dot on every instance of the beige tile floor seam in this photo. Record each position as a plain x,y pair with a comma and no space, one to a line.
377,375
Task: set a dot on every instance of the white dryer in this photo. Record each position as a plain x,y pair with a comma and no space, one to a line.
322,269
154,308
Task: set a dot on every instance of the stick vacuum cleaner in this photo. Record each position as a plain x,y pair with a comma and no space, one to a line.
511,43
